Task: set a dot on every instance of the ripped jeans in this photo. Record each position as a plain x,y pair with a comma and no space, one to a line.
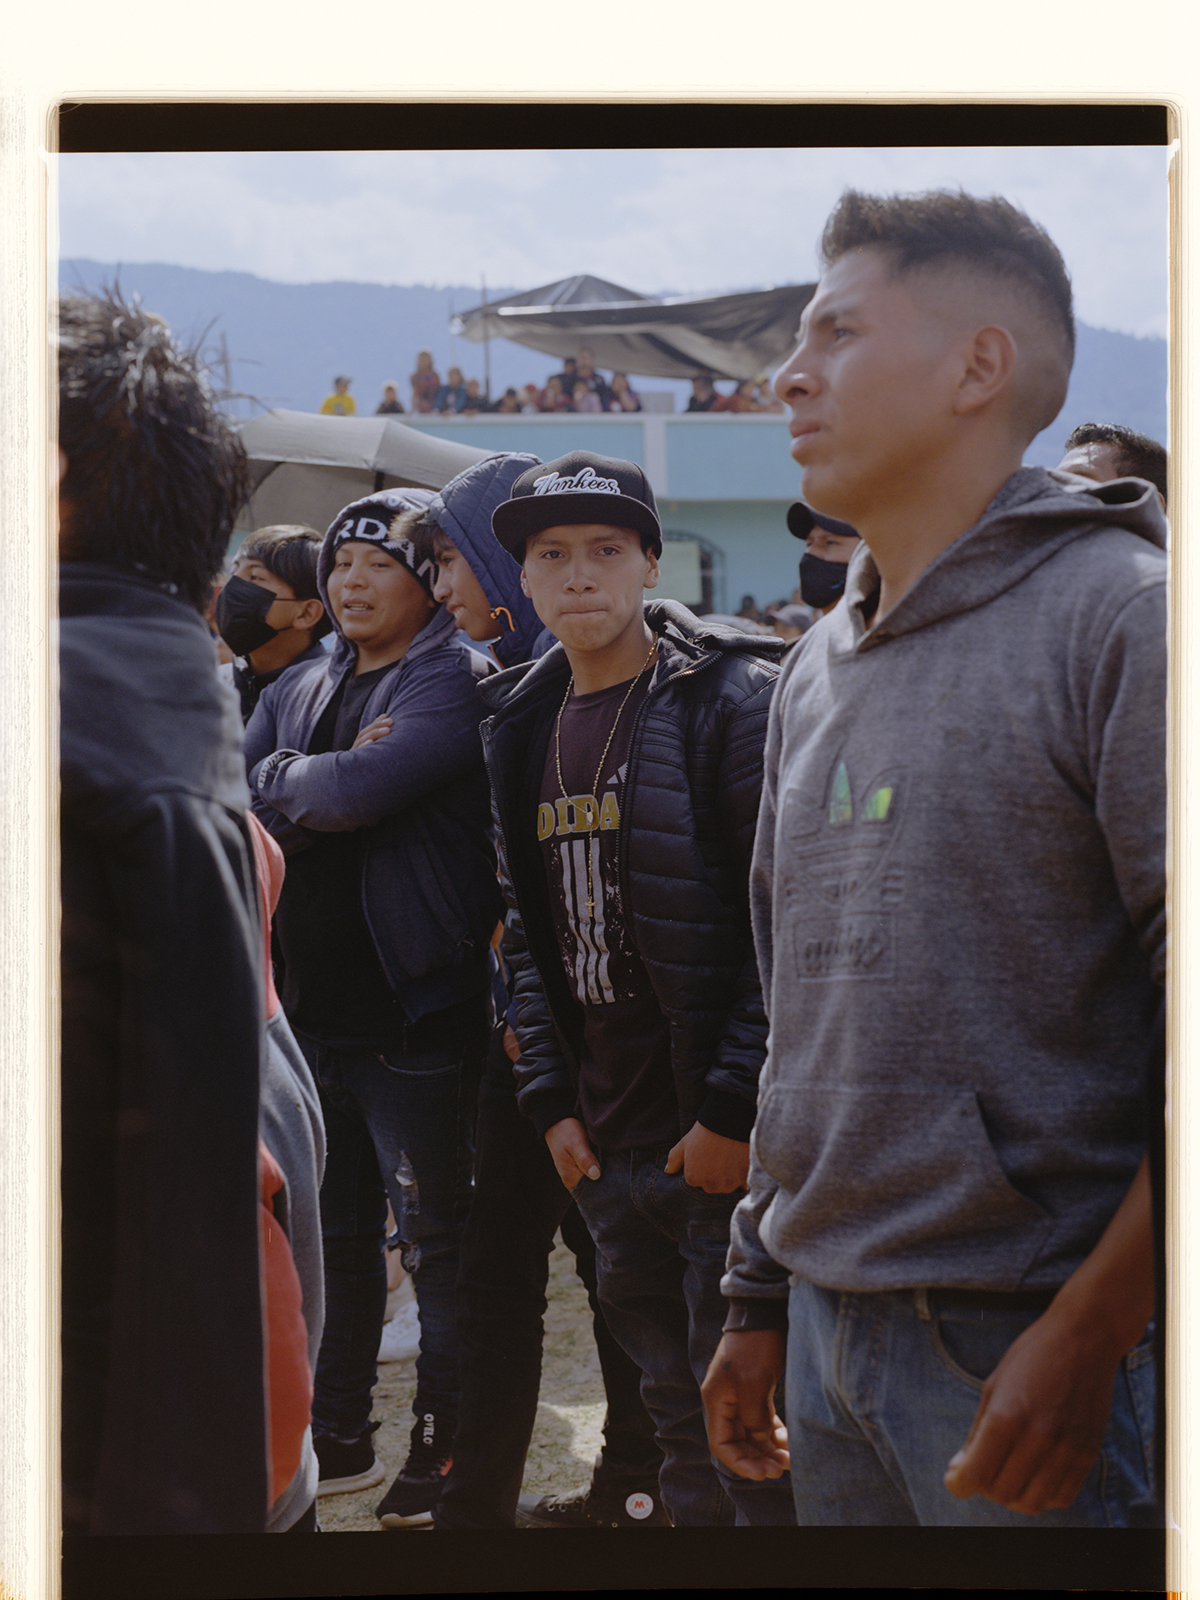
398,1127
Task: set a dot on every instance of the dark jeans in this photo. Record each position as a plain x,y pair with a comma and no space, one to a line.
660,1256
398,1127
519,1203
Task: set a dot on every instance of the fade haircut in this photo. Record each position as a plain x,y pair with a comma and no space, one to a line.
991,238
289,551
429,539
1136,454
155,476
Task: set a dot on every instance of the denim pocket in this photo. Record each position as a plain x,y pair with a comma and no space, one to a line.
971,1344
424,1065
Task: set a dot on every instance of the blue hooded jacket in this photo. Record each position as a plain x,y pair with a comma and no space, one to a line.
420,796
463,510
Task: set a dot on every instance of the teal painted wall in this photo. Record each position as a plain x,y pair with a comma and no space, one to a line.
761,557
731,458
546,437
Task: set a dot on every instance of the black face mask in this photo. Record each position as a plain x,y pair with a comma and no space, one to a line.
240,614
822,583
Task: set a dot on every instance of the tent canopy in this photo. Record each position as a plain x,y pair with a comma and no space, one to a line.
306,467
679,336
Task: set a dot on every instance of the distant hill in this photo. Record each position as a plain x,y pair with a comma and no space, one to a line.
286,341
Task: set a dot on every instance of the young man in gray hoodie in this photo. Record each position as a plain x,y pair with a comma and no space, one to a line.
958,895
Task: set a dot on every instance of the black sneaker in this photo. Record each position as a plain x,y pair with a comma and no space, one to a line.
585,1509
410,1501
346,1465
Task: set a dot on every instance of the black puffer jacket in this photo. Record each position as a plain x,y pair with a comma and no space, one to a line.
687,830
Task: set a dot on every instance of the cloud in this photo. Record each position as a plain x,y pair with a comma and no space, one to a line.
688,220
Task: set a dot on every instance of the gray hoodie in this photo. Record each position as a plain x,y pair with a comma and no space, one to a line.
958,898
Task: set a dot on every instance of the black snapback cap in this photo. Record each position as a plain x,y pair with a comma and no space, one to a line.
802,519
578,488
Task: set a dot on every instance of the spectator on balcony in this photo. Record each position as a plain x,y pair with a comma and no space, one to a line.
531,398
341,402
620,396
425,384
566,377
555,397
390,405
475,402
585,373
508,403
704,395
742,398
452,395
585,399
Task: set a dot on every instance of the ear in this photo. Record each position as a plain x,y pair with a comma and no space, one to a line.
525,585
309,614
650,581
989,368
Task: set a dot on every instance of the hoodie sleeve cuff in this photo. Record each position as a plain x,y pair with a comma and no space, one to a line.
753,1316
727,1114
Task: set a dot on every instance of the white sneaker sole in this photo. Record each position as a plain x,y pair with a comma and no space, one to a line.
361,1480
419,1519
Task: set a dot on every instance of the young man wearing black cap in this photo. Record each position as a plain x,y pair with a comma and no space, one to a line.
626,768
828,546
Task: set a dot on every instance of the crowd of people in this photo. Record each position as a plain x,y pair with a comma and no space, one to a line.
578,387
807,975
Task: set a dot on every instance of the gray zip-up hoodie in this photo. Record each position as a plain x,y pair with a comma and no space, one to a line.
958,900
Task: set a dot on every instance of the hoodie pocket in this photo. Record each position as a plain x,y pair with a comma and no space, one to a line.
890,1187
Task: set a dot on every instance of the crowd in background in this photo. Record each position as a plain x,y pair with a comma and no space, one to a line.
576,388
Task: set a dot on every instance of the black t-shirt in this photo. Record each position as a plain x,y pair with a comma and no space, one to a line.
626,1088
334,986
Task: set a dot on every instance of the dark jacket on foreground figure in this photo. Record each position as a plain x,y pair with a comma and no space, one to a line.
695,773
162,1403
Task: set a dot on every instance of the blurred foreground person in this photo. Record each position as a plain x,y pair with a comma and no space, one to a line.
163,1426
958,901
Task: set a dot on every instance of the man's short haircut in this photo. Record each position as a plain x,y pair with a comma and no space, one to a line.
429,539
947,228
1136,454
289,551
155,476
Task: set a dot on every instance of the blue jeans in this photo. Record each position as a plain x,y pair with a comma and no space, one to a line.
660,1256
398,1127
882,1390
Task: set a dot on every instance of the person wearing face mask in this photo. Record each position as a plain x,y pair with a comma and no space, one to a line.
269,612
828,547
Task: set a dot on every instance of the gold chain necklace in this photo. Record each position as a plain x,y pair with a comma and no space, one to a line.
603,756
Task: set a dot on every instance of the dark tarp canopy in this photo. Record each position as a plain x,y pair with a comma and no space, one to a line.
679,336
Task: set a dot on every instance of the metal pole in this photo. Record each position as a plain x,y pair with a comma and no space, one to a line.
487,347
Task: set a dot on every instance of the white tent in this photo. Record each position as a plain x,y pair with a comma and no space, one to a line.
305,467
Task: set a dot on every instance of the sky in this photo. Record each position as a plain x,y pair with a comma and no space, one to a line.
686,221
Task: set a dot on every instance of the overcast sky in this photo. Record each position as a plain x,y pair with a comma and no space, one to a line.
685,221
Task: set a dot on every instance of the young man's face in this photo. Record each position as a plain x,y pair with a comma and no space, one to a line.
586,582
278,616
1095,461
830,546
377,603
459,590
870,387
